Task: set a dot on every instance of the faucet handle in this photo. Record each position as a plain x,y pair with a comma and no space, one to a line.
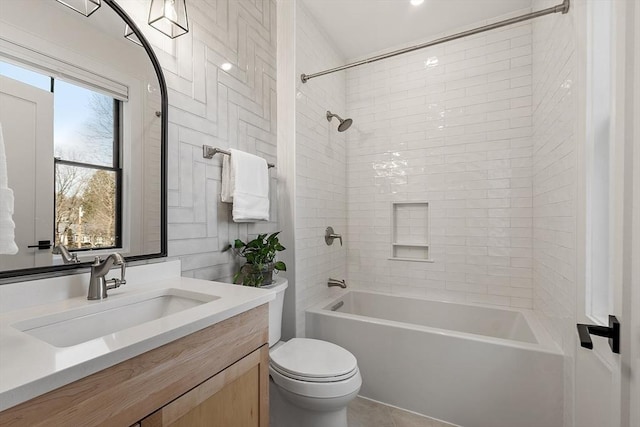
123,268
115,282
330,235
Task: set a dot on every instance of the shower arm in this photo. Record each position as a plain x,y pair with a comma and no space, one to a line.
331,115
561,8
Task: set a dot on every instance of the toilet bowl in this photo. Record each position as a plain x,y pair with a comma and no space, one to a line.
311,381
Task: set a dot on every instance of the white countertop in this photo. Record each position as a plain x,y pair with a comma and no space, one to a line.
30,367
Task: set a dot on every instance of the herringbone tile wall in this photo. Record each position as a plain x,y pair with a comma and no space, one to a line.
226,109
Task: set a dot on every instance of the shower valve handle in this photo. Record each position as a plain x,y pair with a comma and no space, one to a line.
336,236
330,236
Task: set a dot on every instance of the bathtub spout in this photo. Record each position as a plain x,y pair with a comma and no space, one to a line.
335,282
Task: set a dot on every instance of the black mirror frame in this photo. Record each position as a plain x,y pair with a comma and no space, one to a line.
59,270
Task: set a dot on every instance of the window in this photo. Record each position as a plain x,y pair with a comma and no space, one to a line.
87,162
87,168
25,76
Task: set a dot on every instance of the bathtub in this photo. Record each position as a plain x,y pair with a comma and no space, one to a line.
467,364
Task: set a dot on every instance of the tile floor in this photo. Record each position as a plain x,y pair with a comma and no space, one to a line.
367,413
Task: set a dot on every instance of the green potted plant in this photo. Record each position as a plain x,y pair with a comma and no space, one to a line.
260,254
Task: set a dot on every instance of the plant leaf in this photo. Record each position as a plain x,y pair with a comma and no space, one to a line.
260,251
255,244
280,266
236,277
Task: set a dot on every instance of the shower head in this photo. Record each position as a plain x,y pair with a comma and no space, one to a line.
344,124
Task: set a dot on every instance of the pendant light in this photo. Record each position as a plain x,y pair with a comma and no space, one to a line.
169,17
131,36
85,7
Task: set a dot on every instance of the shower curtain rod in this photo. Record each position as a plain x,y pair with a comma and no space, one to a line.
564,8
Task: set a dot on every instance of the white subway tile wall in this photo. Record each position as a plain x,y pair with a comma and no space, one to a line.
449,125
554,184
234,108
320,168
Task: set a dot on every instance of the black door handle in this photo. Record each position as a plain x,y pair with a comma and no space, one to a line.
612,332
42,244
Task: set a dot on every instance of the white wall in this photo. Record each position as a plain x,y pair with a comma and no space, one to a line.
320,192
555,183
287,154
450,125
207,105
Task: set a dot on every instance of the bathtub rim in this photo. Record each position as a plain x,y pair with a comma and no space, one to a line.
545,343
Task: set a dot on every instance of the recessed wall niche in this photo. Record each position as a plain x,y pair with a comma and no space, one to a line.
410,231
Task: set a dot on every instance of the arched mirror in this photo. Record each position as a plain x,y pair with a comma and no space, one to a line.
83,115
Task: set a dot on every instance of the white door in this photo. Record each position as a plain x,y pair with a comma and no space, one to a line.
605,286
26,114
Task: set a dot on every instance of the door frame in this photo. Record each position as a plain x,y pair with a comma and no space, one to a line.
625,232
624,216
633,284
630,219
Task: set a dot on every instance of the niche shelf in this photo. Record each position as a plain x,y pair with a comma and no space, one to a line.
410,231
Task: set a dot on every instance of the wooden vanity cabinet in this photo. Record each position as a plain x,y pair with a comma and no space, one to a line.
218,376
232,398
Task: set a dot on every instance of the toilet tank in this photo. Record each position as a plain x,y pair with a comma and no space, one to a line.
275,310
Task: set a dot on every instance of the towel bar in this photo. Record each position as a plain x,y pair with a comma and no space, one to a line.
208,152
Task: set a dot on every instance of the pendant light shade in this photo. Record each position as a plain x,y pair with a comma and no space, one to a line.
85,7
131,36
169,17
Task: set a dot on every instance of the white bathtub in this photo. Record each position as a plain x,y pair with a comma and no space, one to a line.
470,365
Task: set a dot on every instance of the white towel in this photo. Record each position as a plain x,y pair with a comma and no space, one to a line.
245,182
7,226
228,181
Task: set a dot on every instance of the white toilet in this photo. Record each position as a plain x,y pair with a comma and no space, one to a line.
311,381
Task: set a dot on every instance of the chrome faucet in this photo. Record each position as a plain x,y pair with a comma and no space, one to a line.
67,257
98,285
336,282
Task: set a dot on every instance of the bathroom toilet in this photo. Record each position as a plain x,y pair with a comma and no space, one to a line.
311,381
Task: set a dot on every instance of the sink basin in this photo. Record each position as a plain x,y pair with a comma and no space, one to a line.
99,319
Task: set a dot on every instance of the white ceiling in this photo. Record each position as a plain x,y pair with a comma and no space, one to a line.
361,27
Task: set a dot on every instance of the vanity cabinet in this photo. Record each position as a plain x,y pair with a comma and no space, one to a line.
232,398
217,376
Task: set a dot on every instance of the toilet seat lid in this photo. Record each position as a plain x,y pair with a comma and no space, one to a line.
313,359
